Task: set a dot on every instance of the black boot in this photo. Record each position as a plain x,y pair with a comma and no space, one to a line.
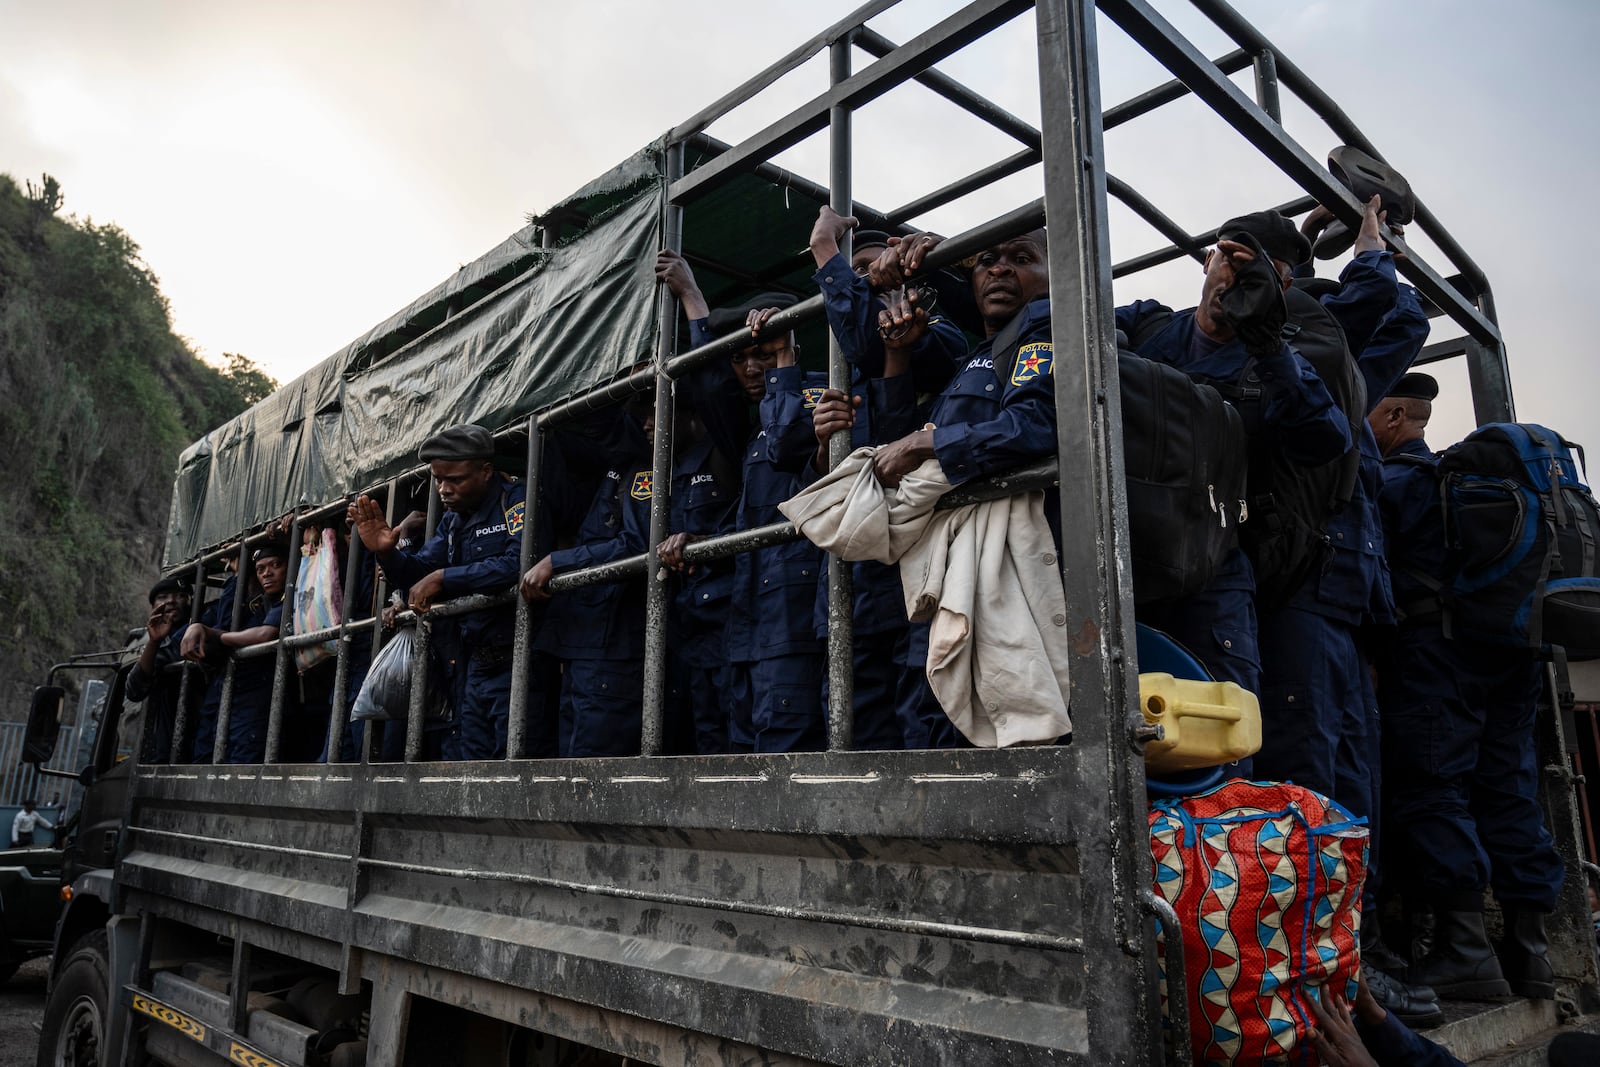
1524,955
1461,966
1376,954
1399,1000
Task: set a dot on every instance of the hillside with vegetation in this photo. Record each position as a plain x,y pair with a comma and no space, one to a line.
98,397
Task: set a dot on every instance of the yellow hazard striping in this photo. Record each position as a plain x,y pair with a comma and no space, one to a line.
237,1053
173,1018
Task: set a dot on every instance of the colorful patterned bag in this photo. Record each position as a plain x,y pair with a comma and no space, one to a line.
318,600
1266,880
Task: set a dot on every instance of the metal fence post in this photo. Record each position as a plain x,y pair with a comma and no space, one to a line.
280,658
841,595
241,594
657,586
522,642
1120,994
338,715
180,719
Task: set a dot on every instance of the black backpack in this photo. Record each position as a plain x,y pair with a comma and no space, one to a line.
1522,539
1184,461
1289,504
1184,458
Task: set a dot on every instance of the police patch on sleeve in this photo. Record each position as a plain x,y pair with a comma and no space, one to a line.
812,396
1032,361
643,482
514,516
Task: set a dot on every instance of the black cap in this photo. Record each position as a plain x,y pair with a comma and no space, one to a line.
724,320
1278,236
168,585
270,550
869,239
1415,386
458,442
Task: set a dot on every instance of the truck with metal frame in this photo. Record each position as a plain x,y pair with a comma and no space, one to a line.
931,907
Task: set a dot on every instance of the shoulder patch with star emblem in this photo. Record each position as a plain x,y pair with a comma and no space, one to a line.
1032,361
643,484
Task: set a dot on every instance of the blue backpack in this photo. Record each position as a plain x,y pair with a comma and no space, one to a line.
1521,533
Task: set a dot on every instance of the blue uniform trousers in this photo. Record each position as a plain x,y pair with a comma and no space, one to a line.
1463,772
483,705
922,719
602,703
877,672
1315,709
784,696
701,706
247,726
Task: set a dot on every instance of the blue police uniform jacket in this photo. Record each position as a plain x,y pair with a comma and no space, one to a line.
989,420
1296,415
774,589
704,506
852,312
1413,525
604,621
887,413
479,553
1356,584
252,678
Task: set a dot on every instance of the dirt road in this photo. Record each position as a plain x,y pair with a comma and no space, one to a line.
21,1008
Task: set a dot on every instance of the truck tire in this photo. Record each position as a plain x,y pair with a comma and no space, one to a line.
76,1015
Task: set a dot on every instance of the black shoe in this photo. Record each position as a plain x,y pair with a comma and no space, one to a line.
1524,955
1401,1001
1461,966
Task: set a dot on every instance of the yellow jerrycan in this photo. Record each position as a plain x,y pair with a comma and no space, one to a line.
1204,723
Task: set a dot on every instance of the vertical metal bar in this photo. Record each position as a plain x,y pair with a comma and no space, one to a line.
651,731
841,596
521,643
371,746
416,714
241,593
1118,941
1266,65
1489,373
280,658
239,985
338,717
435,508
180,719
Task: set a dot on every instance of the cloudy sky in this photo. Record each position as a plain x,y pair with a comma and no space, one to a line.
297,171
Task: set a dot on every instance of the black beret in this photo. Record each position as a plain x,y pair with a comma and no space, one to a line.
870,239
1415,386
458,442
725,320
270,550
169,585
1278,236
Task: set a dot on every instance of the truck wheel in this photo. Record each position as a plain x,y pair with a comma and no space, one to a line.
75,1017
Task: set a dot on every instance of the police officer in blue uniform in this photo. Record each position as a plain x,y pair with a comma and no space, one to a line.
1320,726
252,678
1463,778
597,631
475,549
897,363
776,663
154,678
705,491
215,615
996,414
1295,415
